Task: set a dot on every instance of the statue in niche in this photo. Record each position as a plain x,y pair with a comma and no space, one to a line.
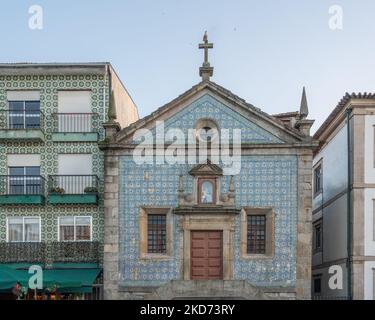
207,192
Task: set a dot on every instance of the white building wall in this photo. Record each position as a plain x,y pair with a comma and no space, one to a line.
369,280
334,156
369,149
369,222
369,201
334,162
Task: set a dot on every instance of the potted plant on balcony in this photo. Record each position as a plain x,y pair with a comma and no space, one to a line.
57,190
91,190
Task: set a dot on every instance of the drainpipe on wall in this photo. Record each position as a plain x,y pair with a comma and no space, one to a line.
349,207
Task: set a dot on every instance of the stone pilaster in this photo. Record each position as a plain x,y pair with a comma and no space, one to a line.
304,226
111,227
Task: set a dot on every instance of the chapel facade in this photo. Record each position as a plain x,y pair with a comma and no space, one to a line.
195,229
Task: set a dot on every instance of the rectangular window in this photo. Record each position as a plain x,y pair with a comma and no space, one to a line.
23,229
25,180
318,179
317,237
317,285
75,228
157,233
256,234
24,115
74,111
206,191
75,173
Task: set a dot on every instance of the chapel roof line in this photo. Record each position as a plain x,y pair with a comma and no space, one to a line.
208,84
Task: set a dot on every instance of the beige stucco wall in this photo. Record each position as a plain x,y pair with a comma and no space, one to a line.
126,110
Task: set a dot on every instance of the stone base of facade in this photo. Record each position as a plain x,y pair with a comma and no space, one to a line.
206,290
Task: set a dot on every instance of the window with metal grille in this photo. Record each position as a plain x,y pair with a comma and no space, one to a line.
256,234
157,233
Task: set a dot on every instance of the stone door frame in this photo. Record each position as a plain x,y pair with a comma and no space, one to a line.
212,222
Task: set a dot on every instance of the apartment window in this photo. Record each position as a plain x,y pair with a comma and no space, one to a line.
157,233
23,229
25,180
75,228
318,180
317,237
317,285
74,111
256,234
24,114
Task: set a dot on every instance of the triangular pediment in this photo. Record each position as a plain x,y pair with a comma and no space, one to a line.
206,169
209,100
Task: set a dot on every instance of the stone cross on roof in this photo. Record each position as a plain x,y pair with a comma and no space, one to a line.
206,71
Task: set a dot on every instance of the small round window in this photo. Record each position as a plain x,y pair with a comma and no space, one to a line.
206,130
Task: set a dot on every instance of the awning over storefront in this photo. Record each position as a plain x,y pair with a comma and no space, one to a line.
9,277
69,278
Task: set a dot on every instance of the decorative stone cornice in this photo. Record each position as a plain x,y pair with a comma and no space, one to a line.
206,209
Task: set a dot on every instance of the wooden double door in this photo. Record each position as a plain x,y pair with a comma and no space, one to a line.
206,254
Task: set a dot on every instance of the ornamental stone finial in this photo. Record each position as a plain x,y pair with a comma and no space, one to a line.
304,109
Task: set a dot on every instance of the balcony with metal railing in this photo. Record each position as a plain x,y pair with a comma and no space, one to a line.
22,125
22,190
73,189
50,252
75,127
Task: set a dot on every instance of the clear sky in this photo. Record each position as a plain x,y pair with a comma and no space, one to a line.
265,51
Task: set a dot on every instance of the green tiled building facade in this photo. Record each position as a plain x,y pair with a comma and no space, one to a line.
51,168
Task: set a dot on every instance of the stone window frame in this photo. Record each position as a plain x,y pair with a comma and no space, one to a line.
214,182
143,232
196,189
270,232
